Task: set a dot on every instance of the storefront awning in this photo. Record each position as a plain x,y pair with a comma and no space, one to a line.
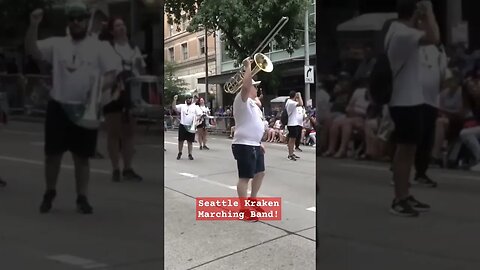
217,79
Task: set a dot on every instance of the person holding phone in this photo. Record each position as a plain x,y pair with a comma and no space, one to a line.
411,101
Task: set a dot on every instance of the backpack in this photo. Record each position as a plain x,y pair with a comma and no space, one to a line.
284,116
381,76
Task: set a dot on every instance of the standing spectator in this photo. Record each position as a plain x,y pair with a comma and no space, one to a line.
294,126
413,116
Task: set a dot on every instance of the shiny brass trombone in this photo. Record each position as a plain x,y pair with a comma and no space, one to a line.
261,61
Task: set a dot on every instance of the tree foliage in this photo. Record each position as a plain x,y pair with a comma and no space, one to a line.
173,85
15,15
243,23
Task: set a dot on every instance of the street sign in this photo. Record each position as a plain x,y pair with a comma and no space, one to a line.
309,71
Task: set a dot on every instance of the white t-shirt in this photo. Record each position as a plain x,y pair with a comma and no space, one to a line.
204,109
129,56
433,65
403,45
300,113
188,113
360,103
249,127
291,106
77,66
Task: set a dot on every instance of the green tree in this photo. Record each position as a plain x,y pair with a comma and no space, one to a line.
15,15
243,23
173,85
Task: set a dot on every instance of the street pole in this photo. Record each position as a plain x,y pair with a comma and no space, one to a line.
307,53
206,67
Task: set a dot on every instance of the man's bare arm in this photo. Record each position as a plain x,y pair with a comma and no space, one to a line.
247,79
432,31
174,103
32,35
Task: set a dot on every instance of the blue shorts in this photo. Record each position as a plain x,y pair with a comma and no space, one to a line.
250,160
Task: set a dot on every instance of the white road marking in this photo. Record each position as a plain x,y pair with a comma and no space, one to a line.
41,163
313,209
77,261
189,175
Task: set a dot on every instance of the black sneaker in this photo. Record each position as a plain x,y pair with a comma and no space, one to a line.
190,157
419,206
206,147
47,201
292,158
201,147
83,206
116,176
298,149
179,156
131,175
425,181
403,208
295,156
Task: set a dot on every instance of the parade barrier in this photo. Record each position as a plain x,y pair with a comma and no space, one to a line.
216,124
28,95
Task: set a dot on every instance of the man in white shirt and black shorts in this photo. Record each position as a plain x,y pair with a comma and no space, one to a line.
247,147
410,111
188,113
294,124
78,62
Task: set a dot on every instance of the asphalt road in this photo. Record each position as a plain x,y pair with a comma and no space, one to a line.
123,233
190,244
356,231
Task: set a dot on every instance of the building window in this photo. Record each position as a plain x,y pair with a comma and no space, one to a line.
201,42
185,51
171,54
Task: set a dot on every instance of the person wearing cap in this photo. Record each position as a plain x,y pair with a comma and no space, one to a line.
247,147
78,60
188,112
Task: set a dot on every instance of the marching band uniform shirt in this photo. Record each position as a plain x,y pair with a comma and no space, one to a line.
188,112
249,128
126,53
205,110
77,65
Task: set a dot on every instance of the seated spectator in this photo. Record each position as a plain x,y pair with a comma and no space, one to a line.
271,132
375,147
344,127
339,100
451,116
470,134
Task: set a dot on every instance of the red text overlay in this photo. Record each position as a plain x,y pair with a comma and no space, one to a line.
233,208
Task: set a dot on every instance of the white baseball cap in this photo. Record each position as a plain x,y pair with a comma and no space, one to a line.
256,82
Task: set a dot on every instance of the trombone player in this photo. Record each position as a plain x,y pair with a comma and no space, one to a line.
189,112
76,59
247,147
